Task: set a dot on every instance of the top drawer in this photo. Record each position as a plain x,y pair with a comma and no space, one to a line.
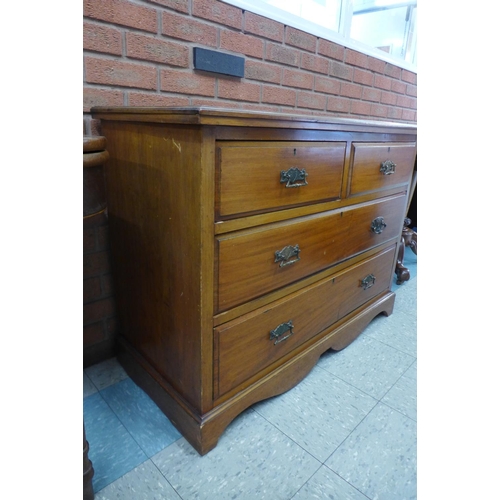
257,176
378,166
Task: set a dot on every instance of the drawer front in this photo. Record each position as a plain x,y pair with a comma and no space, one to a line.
256,176
253,263
380,166
250,343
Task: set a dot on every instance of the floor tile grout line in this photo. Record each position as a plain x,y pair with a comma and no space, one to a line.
343,441
359,423
388,405
290,438
348,435
352,485
395,382
323,463
399,411
163,475
389,345
312,475
298,444
350,432
378,401
350,385
91,382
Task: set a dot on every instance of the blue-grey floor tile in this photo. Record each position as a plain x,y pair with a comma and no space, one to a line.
319,413
380,457
112,450
367,364
88,387
145,482
107,373
147,424
253,460
327,485
403,394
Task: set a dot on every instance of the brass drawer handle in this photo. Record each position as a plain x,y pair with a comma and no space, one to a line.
284,256
388,167
378,225
281,330
294,177
368,282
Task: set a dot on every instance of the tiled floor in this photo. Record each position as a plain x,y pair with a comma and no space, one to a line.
346,432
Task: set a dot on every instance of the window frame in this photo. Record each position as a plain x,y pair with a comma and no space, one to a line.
271,12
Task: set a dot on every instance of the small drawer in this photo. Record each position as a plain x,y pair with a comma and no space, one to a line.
256,176
380,166
249,343
254,262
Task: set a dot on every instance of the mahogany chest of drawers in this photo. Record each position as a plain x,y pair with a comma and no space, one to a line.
243,246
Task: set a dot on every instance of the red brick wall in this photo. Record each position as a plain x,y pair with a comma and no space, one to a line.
139,53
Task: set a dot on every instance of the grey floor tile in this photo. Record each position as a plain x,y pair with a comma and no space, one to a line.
145,482
406,296
368,365
253,460
403,395
380,457
398,330
326,485
107,373
319,413
88,387
147,424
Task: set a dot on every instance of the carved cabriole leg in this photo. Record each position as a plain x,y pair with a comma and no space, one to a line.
402,273
408,239
203,432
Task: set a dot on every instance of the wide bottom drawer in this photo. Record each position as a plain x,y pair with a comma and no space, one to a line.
249,343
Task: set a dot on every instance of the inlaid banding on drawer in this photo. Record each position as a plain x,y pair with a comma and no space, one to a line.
262,176
377,166
249,343
248,266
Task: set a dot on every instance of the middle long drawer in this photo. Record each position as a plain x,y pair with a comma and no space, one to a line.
255,262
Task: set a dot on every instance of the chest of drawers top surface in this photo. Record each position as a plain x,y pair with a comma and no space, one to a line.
219,116
244,244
